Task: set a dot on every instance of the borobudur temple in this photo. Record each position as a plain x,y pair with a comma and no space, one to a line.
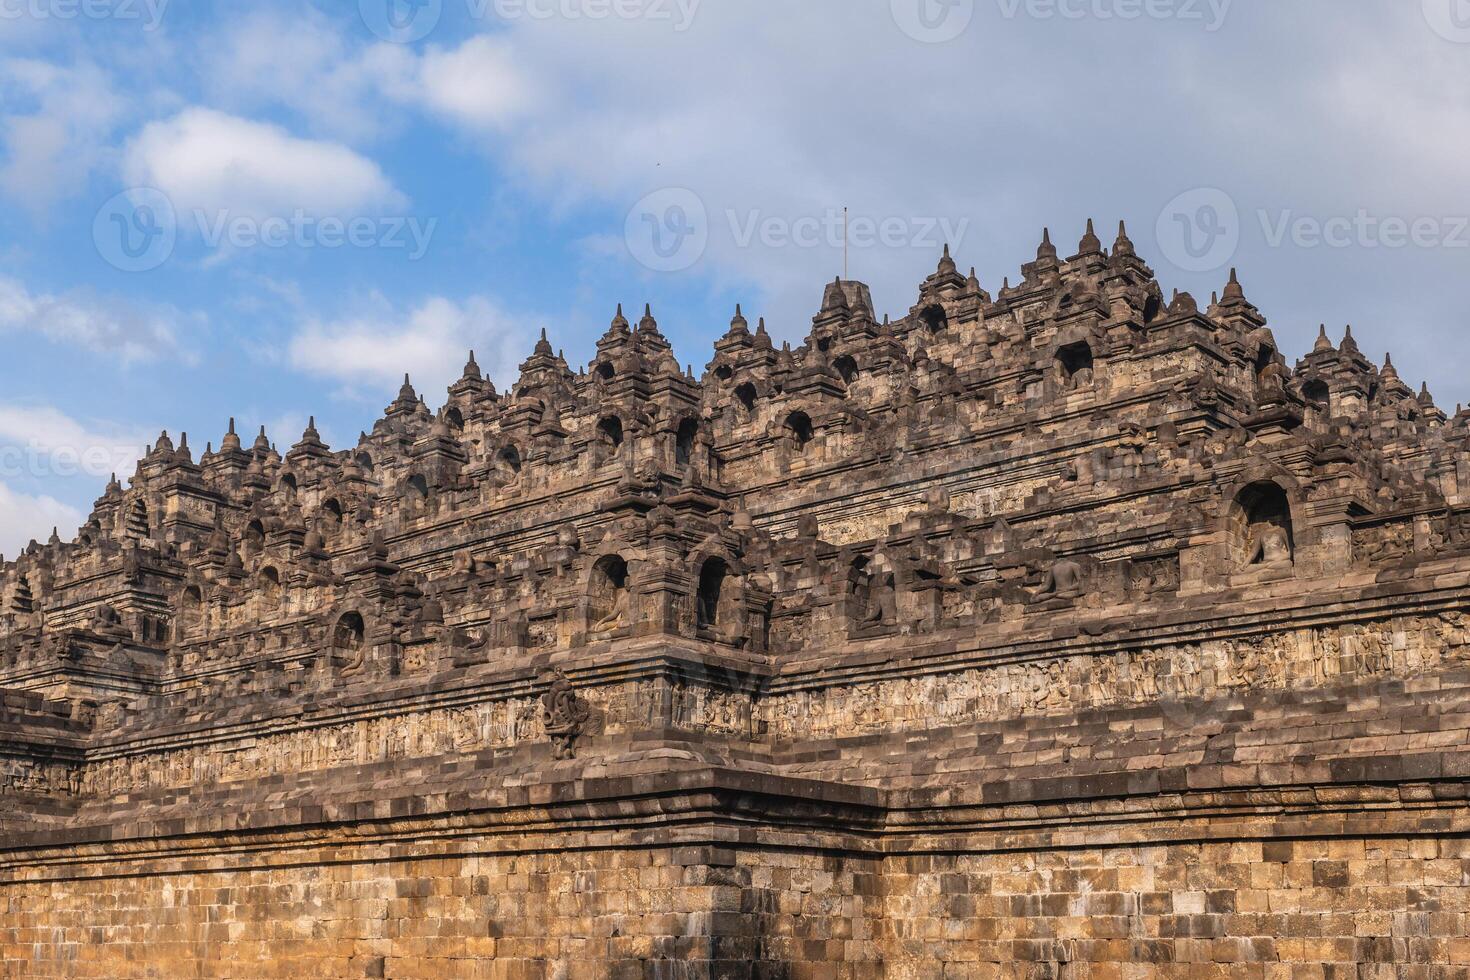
1069,632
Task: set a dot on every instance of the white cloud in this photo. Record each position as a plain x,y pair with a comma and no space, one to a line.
299,60
477,84
24,518
131,332
211,162
58,135
429,342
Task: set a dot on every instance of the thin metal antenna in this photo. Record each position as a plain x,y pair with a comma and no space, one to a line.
844,242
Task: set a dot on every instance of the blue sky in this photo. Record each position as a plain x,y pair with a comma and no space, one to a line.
316,200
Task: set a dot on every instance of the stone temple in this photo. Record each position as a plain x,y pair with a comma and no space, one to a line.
1068,632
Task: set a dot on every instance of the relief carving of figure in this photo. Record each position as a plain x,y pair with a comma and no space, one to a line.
564,715
1269,545
616,617
1064,580
873,589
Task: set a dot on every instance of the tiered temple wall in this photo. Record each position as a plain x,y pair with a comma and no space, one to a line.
1065,633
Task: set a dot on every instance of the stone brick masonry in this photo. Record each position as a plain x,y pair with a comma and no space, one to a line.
1066,633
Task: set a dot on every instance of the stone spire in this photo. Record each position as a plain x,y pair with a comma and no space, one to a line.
407,402
231,441
647,324
946,263
1046,250
1348,345
262,441
471,368
1389,373
1090,243
1323,344
182,454
972,285
738,324
834,300
1234,292
1123,245
311,443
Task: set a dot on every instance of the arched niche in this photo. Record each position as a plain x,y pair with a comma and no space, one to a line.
1318,396
607,594
191,607
610,431
711,599
268,582
799,429
349,632
1074,365
508,463
684,440
934,319
745,395
254,536
1259,526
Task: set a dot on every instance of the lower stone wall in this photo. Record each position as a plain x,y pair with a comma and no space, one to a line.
1306,908
1290,909
692,912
